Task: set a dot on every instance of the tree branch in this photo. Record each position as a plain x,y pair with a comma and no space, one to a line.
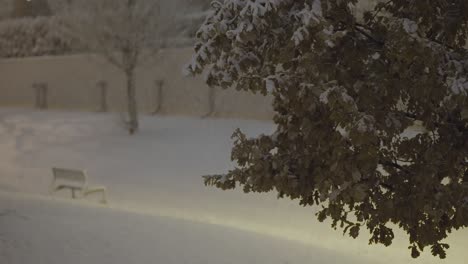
359,29
395,165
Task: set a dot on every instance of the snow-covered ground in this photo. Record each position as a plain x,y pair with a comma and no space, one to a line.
159,210
42,231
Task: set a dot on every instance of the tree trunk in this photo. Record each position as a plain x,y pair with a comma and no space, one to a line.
211,102
102,86
132,102
159,98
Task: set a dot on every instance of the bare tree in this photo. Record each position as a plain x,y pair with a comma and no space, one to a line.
127,33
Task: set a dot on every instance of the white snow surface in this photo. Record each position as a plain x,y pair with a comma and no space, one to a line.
43,231
159,210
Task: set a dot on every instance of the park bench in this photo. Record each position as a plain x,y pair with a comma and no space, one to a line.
77,182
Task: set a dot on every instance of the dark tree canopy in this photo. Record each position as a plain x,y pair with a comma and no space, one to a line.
351,80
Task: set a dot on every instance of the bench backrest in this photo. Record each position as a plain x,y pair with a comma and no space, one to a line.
69,177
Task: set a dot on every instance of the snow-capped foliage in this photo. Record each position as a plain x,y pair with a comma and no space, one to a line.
410,26
346,84
52,36
26,37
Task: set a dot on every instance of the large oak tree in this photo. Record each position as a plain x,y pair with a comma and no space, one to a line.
350,81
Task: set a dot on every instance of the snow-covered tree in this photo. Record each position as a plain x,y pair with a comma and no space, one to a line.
127,33
349,79
34,36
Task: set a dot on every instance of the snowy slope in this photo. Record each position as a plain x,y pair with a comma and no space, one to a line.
43,231
159,172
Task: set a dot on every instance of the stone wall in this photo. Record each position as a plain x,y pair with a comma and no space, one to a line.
72,85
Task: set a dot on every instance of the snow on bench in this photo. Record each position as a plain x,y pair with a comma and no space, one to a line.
76,182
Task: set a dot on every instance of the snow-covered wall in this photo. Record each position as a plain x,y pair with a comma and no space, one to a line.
72,85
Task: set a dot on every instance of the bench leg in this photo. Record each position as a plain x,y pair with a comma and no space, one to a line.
52,188
73,193
104,197
101,190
